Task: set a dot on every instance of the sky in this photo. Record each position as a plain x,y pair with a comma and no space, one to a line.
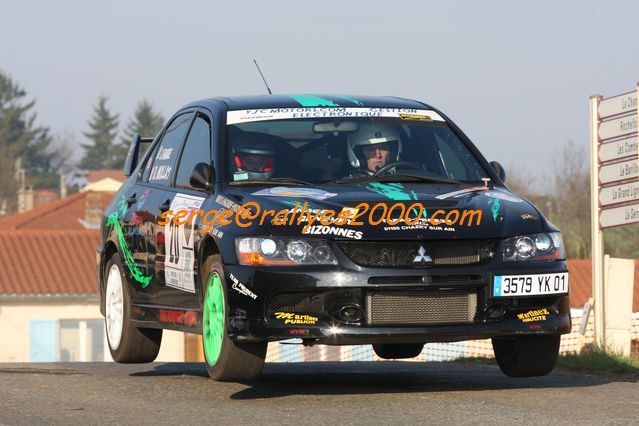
514,76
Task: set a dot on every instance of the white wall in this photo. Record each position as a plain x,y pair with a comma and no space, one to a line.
16,316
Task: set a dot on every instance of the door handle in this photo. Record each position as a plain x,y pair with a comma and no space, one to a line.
131,200
165,206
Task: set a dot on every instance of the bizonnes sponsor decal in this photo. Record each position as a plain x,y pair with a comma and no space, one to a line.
332,230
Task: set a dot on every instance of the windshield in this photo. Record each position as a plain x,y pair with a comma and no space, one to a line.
337,145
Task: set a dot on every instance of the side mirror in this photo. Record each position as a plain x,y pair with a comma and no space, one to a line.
133,154
499,170
202,176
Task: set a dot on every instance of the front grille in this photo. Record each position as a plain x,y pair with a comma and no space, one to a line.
428,279
297,302
404,253
421,308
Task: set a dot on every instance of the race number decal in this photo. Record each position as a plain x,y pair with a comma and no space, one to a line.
530,285
179,258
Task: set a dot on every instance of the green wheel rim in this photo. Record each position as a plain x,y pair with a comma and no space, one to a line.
213,319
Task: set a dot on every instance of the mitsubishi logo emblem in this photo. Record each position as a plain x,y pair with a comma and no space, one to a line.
421,257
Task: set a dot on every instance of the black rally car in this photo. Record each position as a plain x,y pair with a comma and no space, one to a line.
407,274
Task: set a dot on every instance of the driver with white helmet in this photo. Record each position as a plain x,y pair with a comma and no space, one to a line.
373,146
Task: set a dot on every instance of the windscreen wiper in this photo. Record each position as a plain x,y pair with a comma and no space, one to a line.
396,177
271,181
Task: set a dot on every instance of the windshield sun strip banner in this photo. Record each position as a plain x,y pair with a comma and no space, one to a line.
268,114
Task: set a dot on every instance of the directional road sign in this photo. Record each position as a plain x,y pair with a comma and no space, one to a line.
620,104
619,216
619,171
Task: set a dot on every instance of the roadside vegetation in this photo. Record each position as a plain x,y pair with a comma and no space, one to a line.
594,360
598,361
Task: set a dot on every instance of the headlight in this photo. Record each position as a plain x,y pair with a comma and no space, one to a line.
548,246
283,251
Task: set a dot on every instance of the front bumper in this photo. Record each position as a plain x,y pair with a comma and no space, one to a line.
349,335
253,319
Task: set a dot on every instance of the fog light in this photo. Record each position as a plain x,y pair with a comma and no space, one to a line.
322,253
351,313
495,312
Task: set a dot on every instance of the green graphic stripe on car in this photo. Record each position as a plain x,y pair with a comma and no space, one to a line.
312,101
495,209
394,191
121,211
213,319
300,205
355,101
113,220
136,273
291,203
415,210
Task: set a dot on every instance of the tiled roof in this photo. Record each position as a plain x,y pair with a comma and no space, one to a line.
47,262
581,283
96,175
60,214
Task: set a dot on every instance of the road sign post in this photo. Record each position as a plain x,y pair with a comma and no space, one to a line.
614,183
597,233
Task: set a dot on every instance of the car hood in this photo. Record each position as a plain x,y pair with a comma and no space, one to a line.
503,213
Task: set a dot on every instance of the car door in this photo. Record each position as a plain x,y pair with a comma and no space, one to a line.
132,238
178,257
155,197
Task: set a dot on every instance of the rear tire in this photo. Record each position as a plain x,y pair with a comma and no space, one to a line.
225,359
527,356
398,350
128,344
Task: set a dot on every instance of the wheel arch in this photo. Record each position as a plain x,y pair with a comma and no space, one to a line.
110,248
208,247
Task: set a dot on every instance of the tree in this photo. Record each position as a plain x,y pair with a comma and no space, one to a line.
102,153
64,157
568,206
571,206
21,142
63,152
146,121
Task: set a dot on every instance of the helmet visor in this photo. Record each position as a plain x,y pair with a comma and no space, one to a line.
254,162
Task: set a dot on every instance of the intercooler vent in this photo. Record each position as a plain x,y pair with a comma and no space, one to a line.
421,308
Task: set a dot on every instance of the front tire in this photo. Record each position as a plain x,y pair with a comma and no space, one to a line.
225,359
527,356
128,344
398,350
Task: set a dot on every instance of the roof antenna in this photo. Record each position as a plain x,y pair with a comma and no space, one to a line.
260,71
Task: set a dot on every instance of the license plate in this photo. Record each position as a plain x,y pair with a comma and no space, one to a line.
529,285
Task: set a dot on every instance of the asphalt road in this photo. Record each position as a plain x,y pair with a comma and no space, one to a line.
310,393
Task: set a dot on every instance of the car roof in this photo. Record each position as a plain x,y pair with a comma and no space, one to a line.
309,100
